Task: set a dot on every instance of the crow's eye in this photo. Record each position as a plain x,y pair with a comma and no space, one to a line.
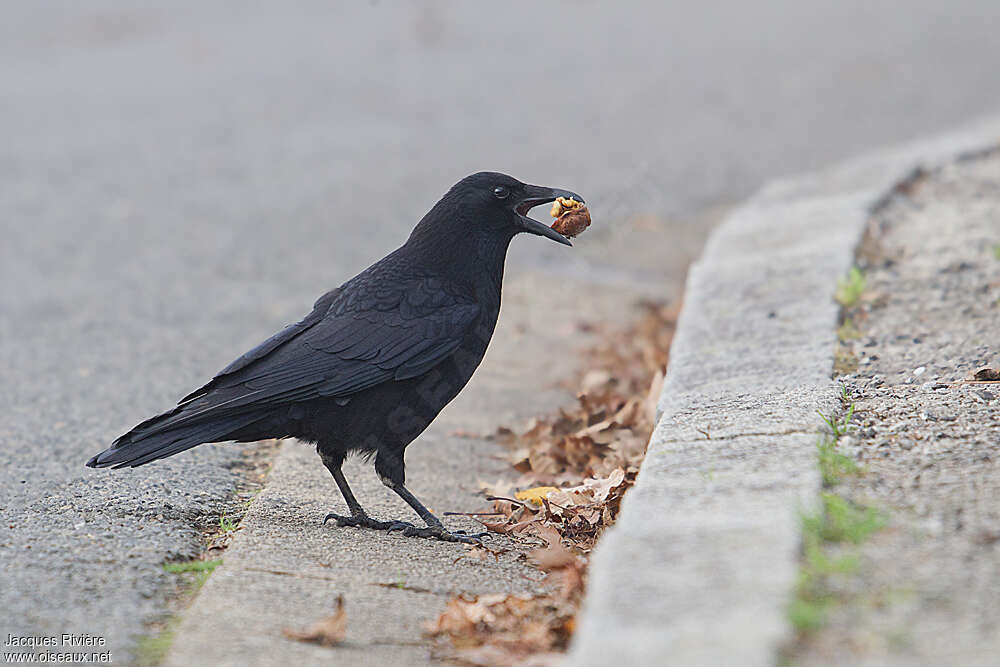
500,192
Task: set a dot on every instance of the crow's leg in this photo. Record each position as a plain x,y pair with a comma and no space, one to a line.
358,515
391,474
434,526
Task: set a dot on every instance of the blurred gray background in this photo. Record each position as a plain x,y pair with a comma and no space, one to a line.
179,180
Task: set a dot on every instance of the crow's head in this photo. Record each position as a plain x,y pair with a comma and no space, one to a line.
501,203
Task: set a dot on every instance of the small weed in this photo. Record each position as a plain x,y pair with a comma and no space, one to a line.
830,532
152,649
835,523
850,287
834,466
821,564
847,331
227,525
841,426
808,613
996,251
202,568
841,521
192,566
814,598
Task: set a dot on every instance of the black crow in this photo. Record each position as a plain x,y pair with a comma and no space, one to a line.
376,359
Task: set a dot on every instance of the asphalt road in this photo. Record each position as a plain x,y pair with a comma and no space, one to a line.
175,184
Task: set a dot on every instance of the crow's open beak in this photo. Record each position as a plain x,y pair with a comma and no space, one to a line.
535,196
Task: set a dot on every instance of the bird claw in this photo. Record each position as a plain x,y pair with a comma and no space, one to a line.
341,520
406,528
401,526
363,521
439,533
478,536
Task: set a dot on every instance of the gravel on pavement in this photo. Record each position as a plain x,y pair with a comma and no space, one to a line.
928,588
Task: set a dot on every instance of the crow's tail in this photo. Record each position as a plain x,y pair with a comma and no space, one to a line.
158,438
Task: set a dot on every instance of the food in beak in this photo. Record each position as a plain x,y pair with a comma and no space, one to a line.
572,217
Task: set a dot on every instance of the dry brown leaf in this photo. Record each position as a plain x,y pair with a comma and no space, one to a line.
987,374
576,466
329,631
552,556
602,488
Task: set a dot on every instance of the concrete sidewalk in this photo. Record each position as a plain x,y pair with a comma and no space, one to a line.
284,569
702,562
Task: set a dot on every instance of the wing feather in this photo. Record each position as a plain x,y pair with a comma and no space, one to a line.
346,345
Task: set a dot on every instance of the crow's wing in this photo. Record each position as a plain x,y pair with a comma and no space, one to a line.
319,310
356,337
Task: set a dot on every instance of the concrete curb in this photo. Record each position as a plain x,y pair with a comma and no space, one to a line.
702,561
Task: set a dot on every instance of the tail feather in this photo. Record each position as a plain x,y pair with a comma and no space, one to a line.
144,444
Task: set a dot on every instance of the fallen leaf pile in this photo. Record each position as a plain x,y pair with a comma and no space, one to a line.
519,627
578,513
576,465
575,468
503,629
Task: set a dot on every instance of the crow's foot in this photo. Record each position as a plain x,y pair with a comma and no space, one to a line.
440,533
478,536
365,521
408,529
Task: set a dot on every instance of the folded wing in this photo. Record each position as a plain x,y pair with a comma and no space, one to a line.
356,337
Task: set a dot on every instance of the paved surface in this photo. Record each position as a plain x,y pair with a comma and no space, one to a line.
177,184
711,530
284,569
927,440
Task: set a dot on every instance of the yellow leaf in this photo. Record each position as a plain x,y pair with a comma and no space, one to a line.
536,494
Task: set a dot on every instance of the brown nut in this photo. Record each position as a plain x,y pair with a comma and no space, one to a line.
573,222
562,204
